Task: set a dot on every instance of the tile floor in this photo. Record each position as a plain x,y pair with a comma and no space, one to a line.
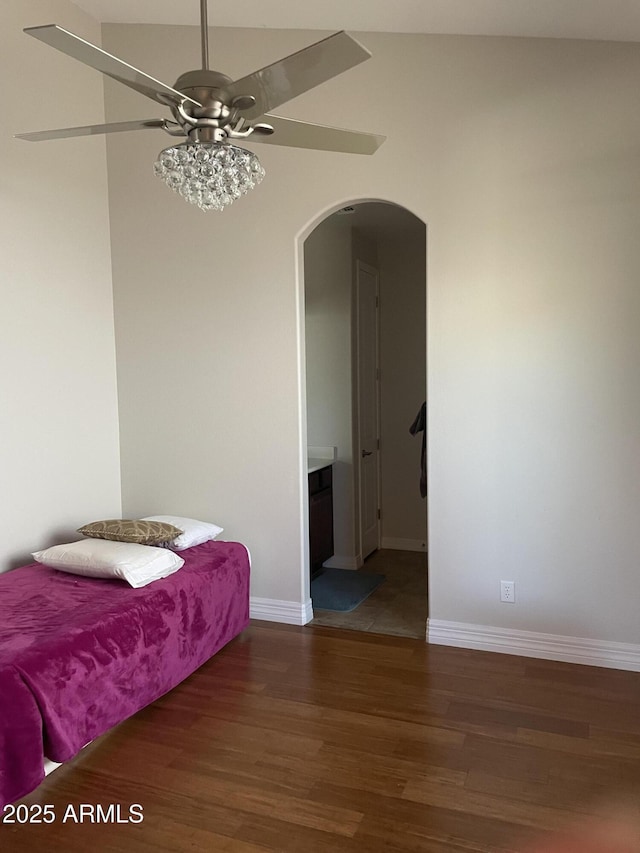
398,606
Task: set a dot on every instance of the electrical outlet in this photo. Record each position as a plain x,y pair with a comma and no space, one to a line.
508,591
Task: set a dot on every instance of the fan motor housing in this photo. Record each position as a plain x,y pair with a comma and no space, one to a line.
207,87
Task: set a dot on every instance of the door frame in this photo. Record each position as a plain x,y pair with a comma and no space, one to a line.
304,610
357,449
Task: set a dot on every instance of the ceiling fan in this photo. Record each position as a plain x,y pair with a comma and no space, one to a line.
210,110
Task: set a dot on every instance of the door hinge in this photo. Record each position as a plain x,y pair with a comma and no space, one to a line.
377,302
378,374
377,444
379,514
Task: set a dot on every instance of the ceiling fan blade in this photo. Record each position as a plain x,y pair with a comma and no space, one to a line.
91,129
302,134
99,59
289,77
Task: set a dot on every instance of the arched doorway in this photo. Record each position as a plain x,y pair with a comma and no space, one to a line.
365,382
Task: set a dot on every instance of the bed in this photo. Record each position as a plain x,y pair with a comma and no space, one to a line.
79,655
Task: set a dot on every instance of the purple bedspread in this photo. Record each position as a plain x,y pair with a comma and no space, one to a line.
78,655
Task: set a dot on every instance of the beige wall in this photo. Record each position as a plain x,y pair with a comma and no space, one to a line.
364,248
403,348
522,157
327,280
58,415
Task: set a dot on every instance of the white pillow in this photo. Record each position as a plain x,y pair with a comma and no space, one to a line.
194,532
103,558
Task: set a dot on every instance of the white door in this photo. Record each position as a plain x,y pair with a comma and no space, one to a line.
367,449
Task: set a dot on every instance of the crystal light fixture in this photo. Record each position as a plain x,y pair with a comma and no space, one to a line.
209,174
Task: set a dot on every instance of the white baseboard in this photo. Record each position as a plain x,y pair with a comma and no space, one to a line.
343,562
275,610
535,645
403,544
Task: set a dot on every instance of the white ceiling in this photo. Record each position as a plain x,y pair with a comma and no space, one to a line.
615,20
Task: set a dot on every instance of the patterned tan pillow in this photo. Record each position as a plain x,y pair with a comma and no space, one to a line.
131,530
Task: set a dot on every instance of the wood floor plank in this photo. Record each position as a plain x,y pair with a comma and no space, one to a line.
609,682
352,691
253,796
482,752
388,815
326,741
303,719
276,834
471,802
252,771
593,746
516,719
365,771
570,702
577,798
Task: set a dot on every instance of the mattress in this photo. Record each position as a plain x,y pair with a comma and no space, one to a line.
79,655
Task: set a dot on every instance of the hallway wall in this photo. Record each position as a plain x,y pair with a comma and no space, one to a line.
403,347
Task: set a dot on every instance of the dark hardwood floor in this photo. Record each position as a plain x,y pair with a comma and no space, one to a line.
317,739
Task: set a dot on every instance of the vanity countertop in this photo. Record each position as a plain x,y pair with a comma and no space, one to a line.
315,464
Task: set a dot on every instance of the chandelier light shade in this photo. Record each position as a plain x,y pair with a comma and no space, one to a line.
211,175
